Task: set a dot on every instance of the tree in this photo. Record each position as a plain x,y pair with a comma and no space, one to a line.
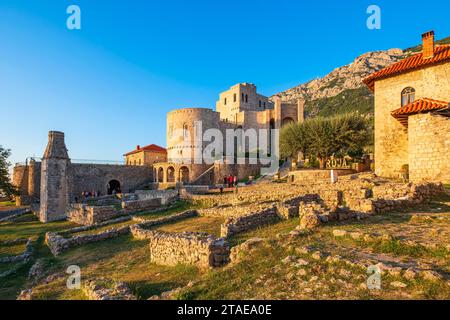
325,137
6,188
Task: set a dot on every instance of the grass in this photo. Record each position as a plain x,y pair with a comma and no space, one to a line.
7,204
209,225
260,274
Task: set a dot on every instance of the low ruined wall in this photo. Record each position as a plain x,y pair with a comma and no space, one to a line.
250,221
59,242
166,196
201,249
89,215
141,205
315,175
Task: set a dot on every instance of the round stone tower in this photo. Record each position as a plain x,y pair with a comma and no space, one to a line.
184,127
54,179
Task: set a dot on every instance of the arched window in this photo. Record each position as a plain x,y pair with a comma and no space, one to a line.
408,96
185,130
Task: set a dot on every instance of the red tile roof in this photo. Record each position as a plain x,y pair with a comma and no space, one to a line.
418,106
441,54
150,147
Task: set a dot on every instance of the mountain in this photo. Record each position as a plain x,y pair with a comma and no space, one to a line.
342,90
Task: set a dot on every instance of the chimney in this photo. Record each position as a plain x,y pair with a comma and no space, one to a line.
138,147
428,45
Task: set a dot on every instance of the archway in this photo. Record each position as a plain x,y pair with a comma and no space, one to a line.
184,174
114,187
170,174
286,121
161,174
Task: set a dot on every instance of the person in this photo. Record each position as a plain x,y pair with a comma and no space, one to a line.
230,181
235,181
225,181
76,199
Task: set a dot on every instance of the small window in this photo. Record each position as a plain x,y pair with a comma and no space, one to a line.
225,101
234,97
264,106
260,103
185,130
139,161
408,96
246,98
243,97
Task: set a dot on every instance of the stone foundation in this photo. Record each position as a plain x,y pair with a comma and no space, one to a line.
250,221
193,248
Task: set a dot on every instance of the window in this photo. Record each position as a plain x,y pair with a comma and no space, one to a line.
260,103
225,101
408,96
264,106
234,97
243,97
185,130
246,98
139,161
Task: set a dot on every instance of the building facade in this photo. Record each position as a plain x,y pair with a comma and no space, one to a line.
412,124
145,156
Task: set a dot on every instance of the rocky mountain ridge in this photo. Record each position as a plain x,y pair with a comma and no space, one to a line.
348,77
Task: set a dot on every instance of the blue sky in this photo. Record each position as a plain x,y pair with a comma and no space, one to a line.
109,85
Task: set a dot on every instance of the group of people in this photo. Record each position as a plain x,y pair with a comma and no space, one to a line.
90,194
230,181
87,194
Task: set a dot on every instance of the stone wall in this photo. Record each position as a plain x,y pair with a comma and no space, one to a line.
59,242
305,176
95,177
429,148
87,215
391,137
166,196
233,225
193,248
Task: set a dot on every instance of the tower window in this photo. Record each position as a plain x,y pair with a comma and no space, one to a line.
260,103
225,101
243,97
234,97
408,96
246,98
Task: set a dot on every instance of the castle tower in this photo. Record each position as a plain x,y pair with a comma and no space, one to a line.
54,179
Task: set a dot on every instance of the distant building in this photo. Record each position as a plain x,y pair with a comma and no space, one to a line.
412,115
146,156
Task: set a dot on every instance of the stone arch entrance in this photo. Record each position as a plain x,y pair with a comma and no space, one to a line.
170,174
184,174
114,187
160,175
286,121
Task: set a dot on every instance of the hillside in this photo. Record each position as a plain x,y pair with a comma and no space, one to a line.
342,90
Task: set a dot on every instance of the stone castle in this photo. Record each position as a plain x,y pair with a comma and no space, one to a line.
240,107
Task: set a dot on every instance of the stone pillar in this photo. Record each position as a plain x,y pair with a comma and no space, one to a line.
277,109
300,110
34,180
54,179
